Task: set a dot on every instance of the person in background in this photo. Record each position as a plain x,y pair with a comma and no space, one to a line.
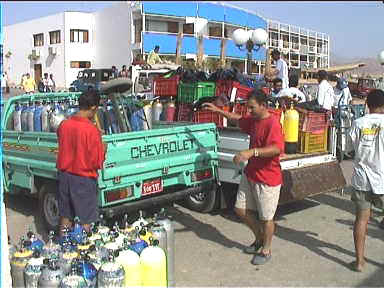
115,73
153,57
293,92
341,91
325,94
29,84
281,70
23,78
52,83
367,137
81,154
277,86
139,60
259,189
124,72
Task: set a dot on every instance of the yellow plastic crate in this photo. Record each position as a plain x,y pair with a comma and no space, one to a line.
310,142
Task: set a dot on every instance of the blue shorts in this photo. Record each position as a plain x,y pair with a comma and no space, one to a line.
78,197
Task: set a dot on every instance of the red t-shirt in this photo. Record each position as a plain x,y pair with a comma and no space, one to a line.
263,133
81,151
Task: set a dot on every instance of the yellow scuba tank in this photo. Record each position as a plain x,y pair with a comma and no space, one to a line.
281,117
153,266
291,130
130,261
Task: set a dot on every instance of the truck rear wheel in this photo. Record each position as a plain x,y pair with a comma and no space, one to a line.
203,202
49,205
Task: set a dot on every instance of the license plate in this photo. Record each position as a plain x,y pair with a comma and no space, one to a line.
152,187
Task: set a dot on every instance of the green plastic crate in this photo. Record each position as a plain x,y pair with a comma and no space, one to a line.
191,92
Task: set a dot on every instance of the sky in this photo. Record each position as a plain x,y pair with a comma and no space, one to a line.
355,28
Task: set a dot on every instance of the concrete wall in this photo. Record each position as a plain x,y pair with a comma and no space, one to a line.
113,37
78,51
18,39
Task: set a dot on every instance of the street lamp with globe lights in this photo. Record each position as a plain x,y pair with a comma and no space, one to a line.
252,39
381,57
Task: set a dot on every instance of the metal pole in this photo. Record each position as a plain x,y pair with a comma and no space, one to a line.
249,62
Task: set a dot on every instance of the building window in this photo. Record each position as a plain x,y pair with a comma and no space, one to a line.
189,28
54,37
215,31
80,64
79,36
38,39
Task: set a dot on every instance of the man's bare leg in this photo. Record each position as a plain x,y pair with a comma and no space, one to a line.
359,235
249,218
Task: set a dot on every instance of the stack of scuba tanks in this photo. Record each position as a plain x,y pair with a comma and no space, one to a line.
140,254
116,114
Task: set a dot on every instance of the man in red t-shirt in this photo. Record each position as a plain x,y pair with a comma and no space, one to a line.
259,188
81,154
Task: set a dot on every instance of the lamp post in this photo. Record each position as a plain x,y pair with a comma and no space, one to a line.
252,40
381,57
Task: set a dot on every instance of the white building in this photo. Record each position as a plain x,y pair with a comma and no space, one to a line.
64,43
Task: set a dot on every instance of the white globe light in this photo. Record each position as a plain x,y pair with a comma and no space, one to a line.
240,36
259,36
381,57
249,33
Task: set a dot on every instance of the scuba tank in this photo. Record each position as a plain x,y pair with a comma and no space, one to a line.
18,262
85,243
145,234
159,233
37,117
97,256
127,229
139,223
137,119
112,118
51,249
24,117
36,244
111,274
95,238
56,116
131,265
157,109
148,116
170,111
291,130
51,274
153,266
73,280
30,113
67,258
76,235
17,117
138,245
103,230
44,117
168,226
86,269
32,270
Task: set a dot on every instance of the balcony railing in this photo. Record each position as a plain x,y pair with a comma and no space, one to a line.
273,43
312,49
295,46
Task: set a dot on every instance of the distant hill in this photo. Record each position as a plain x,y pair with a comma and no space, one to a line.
372,65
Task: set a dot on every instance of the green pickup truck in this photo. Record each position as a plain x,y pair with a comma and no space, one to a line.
168,163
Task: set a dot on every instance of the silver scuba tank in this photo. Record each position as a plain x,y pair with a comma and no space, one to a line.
66,258
51,274
44,116
157,109
32,270
17,117
56,117
24,117
159,233
30,114
168,226
111,274
74,280
18,262
51,249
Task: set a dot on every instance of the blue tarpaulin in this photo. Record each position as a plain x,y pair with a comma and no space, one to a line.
166,42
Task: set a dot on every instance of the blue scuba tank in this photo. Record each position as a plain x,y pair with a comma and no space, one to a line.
137,120
87,270
113,119
34,243
37,117
77,233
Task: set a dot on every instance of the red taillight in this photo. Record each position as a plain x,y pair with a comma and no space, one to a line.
201,175
115,195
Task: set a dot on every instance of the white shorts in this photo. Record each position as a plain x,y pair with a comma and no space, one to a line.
258,197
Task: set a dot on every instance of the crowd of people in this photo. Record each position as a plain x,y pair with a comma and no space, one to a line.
46,84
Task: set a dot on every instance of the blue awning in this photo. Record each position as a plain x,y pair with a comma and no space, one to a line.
212,47
236,16
212,12
189,45
255,21
180,9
